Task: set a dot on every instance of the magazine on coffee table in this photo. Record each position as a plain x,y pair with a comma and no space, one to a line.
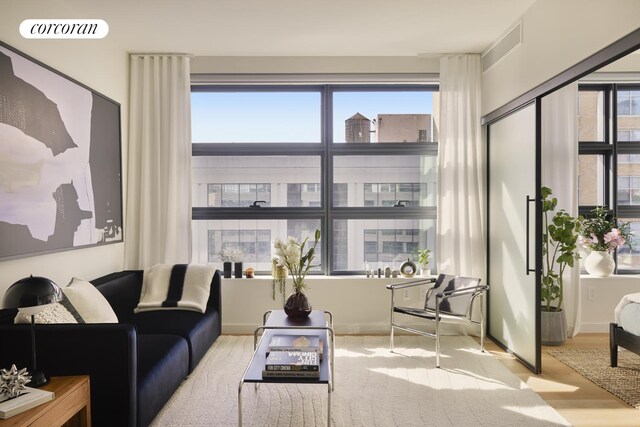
300,342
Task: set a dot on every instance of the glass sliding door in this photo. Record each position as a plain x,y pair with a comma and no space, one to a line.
513,297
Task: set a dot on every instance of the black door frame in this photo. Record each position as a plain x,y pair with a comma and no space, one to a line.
536,367
605,56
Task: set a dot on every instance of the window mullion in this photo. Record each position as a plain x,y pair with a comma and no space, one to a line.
327,175
613,120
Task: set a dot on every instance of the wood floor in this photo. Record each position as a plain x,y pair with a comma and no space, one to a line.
580,401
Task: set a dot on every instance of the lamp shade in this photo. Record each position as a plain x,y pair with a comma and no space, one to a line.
30,293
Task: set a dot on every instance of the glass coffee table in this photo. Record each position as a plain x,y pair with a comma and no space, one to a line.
319,323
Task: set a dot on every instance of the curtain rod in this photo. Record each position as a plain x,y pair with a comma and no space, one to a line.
311,78
189,55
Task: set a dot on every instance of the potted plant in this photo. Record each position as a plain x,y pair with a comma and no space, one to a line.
423,260
559,251
602,234
292,255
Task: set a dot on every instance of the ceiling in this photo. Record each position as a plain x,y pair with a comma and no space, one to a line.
300,27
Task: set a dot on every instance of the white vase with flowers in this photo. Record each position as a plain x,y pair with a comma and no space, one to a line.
602,234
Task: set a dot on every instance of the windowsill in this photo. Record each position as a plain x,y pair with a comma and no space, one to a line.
613,277
337,277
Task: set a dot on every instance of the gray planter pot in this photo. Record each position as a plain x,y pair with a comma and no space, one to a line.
553,327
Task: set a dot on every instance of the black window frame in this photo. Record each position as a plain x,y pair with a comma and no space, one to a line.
610,149
326,150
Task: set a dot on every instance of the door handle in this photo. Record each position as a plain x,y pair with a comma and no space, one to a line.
529,269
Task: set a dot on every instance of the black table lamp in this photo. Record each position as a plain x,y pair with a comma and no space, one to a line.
30,296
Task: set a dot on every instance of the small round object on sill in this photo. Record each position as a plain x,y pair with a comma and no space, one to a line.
249,273
408,269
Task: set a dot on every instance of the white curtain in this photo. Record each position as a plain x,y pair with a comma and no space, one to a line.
159,173
560,174
461,172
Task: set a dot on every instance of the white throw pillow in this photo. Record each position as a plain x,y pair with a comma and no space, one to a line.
91,305
51,313
190,293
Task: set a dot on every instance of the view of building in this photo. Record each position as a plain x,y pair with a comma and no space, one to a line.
359,181
595,128
398,128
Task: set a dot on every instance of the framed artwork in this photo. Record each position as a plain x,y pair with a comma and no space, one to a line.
60,167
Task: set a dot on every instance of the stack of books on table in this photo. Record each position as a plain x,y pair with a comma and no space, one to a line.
30,398
293,356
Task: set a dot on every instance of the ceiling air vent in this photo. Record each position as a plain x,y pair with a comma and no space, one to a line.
500,49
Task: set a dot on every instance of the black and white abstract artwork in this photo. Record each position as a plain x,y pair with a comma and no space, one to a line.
60,172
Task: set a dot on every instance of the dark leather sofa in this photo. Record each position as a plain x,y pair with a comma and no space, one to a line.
135,365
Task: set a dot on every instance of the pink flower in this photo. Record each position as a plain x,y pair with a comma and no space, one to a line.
612,235
594,239
614,239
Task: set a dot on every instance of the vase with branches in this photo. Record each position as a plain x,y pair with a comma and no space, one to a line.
291,254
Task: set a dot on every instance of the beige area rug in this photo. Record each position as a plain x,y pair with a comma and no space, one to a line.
593,364
373,388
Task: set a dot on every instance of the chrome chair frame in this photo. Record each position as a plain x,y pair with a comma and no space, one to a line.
434,314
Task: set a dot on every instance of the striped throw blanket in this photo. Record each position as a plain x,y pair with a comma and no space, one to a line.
175,287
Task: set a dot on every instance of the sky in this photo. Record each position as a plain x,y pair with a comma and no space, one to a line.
290,116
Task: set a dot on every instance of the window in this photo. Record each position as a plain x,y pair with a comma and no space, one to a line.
228,116
389,245
303,195
335,158
389,194
368,116
415,180
253,238
254,244
629,259
629,134
609,157
628,158
629,190
237,195
376,244
237,181
591,116
591,182
628,102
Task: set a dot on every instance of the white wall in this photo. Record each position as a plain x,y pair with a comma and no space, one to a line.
103,67
359,305
599,297
628,64
556,36
314,65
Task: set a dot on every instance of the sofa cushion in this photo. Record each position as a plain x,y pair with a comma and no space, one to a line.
82,303
51,313
200,330
163,363
175,287
90,304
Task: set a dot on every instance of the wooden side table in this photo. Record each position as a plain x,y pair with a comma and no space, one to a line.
71,406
